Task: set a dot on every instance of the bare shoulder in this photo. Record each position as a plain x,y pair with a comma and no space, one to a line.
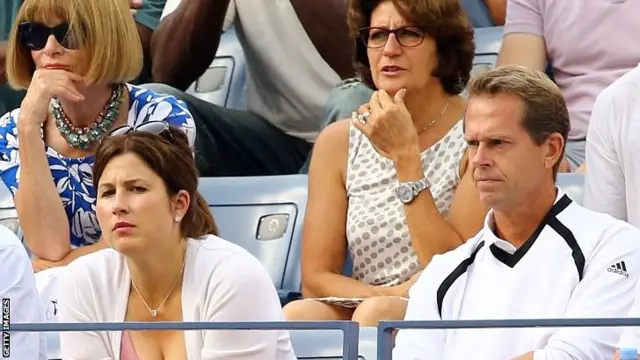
335,134
331,148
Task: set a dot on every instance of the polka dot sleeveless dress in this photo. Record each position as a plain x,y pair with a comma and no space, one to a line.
377,231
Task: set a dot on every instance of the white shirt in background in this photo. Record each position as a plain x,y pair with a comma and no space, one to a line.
578,264
613,151
288,81
17,284
221,283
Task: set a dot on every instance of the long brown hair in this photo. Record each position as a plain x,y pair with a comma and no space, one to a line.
443,20
170,157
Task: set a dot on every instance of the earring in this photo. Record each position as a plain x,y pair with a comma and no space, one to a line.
177,218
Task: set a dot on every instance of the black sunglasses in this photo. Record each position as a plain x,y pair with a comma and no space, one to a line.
160,128
34,36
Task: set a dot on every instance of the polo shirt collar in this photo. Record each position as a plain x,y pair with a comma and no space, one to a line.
504,250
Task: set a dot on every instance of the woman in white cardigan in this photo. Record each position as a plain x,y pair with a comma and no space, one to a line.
165,263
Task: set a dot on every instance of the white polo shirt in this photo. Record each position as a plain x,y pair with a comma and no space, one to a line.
577,264
613,151
17,284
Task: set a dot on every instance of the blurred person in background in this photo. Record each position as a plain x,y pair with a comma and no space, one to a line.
586,44
611,184
295,51
393,177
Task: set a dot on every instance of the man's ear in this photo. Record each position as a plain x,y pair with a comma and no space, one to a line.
554,150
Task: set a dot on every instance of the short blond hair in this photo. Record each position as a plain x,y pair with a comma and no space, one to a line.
544,110
104,29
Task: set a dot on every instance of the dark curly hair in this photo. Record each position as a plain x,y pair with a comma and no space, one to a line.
443,20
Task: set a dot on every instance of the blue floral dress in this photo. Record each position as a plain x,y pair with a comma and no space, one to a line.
73,176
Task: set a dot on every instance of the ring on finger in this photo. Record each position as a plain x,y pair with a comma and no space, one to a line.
364,117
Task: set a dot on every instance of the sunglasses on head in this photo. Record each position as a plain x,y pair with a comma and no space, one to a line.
160,128
34,36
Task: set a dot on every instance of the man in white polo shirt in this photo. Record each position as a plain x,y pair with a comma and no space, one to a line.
539,255
18,293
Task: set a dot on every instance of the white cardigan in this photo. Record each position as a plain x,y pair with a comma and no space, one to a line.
222,282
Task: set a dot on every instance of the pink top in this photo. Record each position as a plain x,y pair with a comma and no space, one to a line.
589,42
127,352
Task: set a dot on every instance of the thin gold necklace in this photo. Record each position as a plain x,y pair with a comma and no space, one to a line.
154,312
444,109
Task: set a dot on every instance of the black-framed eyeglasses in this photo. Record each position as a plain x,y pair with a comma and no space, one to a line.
160,128
377,37
34,36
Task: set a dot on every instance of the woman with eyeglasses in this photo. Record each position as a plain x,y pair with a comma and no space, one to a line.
165,263
394,177
74,58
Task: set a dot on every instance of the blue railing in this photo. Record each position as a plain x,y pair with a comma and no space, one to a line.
349,329
385,328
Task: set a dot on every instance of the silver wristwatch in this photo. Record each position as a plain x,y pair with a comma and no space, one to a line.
407,191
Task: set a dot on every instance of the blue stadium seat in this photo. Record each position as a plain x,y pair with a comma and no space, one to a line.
327,344
224,82
263,215
573,185
488,43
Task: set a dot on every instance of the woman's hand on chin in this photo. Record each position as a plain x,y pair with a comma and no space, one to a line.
45,85
389,125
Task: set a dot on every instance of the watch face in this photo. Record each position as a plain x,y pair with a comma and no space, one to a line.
404,193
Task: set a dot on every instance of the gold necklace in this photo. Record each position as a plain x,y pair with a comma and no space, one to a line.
154,312
444,109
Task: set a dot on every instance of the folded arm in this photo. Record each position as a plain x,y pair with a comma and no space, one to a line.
432,233
185,42
44,222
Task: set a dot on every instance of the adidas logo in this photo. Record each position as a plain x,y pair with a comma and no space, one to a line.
619,268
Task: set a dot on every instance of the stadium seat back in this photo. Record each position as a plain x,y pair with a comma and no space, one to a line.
224,82
327,344
573,185
488,43
264,215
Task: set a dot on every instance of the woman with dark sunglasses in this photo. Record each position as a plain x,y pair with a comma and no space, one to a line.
165,263
74,58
